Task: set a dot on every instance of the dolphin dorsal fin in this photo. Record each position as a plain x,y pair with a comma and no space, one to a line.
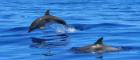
99,41
47,12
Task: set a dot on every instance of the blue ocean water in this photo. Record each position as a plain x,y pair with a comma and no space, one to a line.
116,20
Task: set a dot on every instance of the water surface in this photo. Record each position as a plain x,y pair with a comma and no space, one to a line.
116,20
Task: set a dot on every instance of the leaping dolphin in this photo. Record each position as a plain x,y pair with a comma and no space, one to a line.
47,19
98,47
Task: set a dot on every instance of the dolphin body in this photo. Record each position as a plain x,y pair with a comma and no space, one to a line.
47,19
98,47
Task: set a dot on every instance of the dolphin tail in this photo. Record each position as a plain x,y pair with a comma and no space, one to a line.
61,21
99,41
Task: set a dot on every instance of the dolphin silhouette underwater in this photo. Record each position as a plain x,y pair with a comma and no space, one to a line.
98,47
47,19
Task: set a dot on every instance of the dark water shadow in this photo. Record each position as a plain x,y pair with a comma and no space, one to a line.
50,43
94,56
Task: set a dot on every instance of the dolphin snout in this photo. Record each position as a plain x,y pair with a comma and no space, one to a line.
31,29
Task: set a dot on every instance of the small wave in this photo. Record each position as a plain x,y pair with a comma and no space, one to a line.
18,29
64,3
112,24
74,27
90,26
7,16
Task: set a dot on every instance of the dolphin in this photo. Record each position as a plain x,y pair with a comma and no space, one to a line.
98,47
47,19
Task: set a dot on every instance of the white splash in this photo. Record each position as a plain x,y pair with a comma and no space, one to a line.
66,30
63,29
71,29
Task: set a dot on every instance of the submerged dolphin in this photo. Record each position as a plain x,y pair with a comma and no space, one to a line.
98,47
45,20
